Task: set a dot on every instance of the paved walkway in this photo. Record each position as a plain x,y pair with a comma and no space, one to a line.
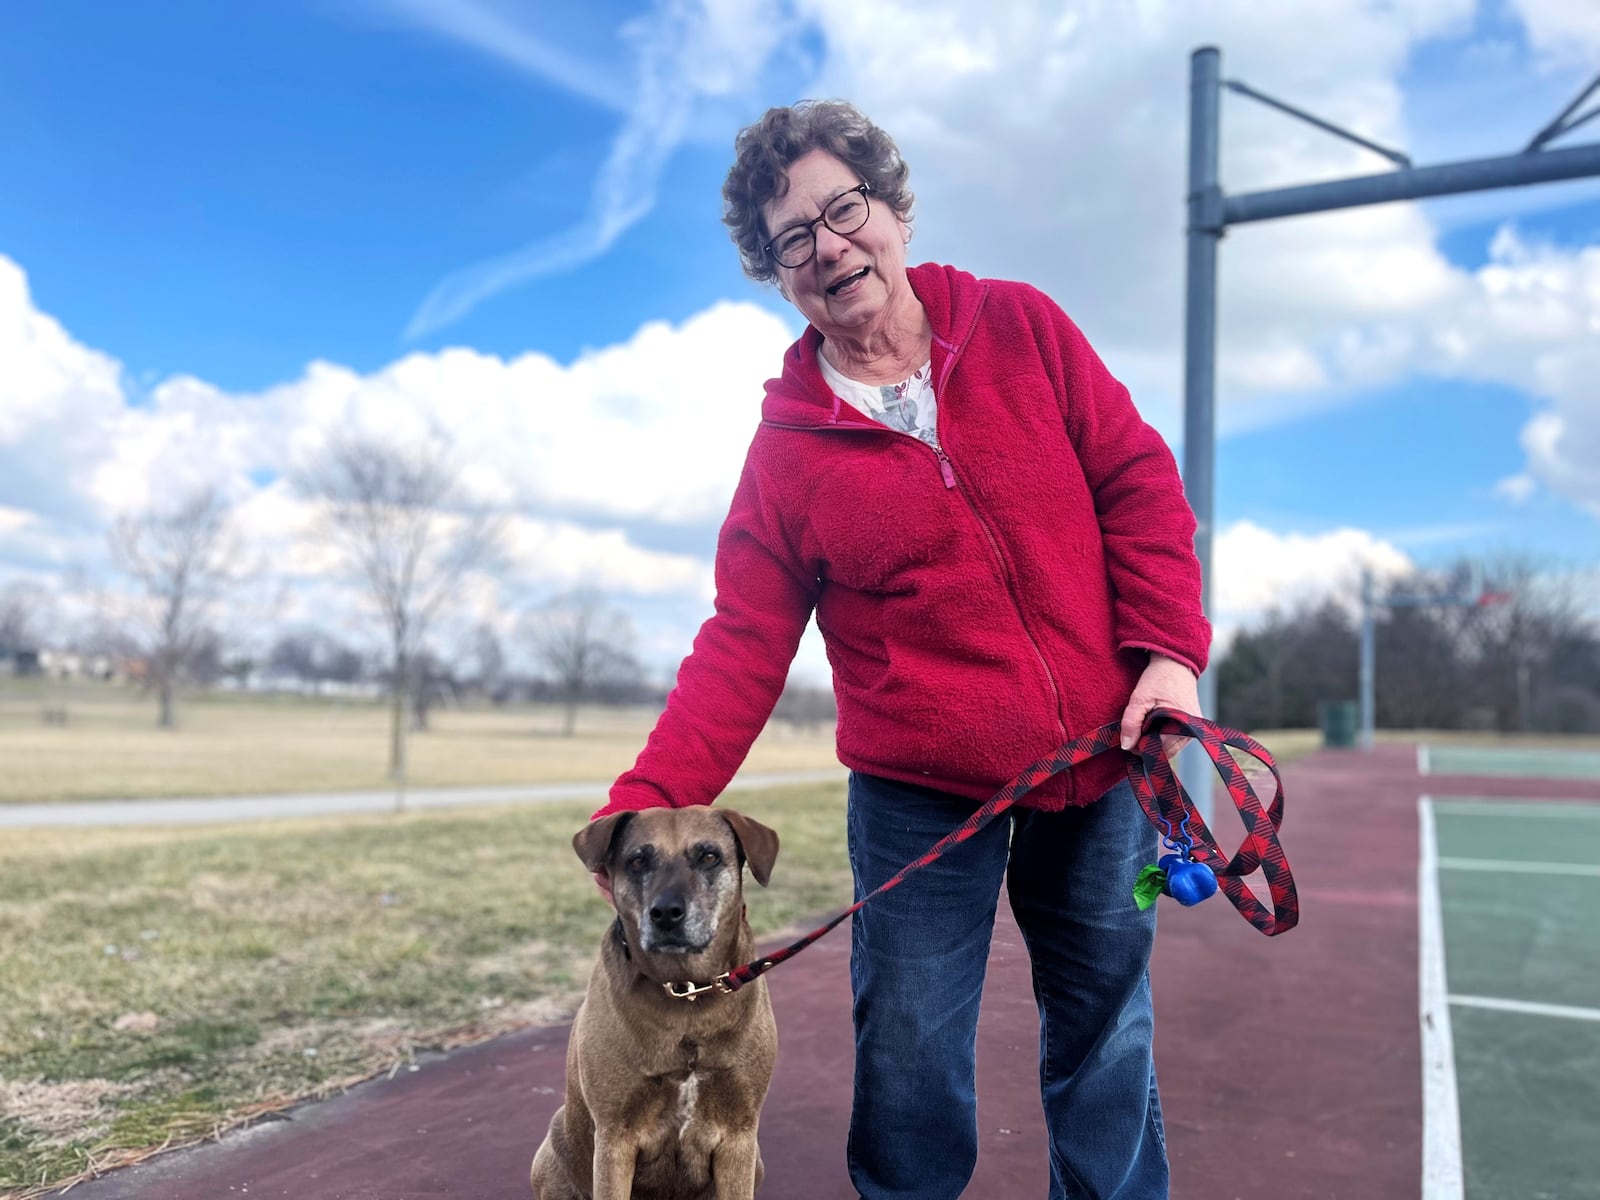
1290,1067
265,808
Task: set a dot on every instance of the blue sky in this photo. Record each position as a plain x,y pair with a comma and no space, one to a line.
212,198
273,183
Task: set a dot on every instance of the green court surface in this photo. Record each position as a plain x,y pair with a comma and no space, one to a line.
1519,892
1530,762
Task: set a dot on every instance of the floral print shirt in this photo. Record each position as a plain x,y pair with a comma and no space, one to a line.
907,406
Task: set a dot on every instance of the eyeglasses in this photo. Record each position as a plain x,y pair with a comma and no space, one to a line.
845,213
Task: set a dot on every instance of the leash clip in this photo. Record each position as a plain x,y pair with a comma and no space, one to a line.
693,991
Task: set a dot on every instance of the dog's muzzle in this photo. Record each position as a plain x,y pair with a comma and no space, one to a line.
673,926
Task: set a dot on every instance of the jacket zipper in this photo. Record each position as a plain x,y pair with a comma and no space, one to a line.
952,353
947,473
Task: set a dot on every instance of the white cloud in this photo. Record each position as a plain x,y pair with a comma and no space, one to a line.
1057,153
649,432
1532,320
493,30
567,556
1516,488
652,428
1062,160
1049,143
49,378
1258,570
1564,30
684,52
58,399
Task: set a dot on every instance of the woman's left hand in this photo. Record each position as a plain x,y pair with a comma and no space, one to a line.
1166,683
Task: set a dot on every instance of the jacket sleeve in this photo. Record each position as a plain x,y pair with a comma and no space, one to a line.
1146,524
729,684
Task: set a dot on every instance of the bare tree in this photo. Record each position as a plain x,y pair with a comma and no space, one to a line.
491,662
433,682
1514,645
312,656
396,514
185,559
585,647
1274,675
1535,648
806,706
18,604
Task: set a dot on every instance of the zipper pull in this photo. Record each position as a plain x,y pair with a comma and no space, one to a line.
946,470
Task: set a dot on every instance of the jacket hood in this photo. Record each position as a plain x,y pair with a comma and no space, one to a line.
800,396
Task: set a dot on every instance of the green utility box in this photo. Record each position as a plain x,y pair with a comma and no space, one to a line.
1337,719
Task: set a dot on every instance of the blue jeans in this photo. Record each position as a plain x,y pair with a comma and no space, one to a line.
916,968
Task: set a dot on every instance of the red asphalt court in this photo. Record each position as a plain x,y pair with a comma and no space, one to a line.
1290,1067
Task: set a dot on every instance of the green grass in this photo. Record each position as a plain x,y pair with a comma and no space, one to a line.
158,985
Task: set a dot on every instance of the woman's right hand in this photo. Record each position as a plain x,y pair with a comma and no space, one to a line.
602,880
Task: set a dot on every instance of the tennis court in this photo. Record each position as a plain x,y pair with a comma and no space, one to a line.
1522,762
1510,957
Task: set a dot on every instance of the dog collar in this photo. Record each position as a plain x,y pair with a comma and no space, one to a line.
686,990
693,991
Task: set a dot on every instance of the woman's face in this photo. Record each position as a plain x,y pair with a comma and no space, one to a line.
853,280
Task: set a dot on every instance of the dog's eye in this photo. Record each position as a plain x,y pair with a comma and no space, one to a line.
638,864
709,858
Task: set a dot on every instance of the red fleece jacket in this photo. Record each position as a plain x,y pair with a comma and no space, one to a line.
980,604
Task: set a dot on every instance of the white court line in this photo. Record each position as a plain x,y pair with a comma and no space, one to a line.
1524,868
1441,1114
1424,761
1493,806
1524,1006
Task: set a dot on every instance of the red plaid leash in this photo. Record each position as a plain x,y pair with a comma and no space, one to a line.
1164,802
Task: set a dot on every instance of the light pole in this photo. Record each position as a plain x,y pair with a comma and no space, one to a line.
1474,595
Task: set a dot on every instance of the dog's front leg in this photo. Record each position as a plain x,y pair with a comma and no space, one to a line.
734,1165
613,1166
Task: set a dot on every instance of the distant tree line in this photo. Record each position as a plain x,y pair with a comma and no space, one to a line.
394,515
1530,661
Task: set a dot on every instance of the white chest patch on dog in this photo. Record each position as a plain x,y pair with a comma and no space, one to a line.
688,1095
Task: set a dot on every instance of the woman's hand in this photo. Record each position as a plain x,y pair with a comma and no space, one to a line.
1166,683
602,880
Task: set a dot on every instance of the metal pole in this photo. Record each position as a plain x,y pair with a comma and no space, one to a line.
1211,212
1200,356
1368,664
1447,179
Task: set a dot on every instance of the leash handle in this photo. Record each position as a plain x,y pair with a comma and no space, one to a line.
1161,797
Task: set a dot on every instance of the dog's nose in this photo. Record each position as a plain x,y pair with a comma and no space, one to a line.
667,911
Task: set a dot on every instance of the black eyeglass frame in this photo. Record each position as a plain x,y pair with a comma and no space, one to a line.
810,227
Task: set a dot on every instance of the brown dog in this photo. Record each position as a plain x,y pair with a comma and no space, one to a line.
664,1094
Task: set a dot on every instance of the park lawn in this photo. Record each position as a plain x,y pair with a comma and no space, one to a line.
159,985
110,746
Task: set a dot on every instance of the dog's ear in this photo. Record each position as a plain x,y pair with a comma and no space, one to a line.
593,841
760,844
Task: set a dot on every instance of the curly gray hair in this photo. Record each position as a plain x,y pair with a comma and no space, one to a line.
764,151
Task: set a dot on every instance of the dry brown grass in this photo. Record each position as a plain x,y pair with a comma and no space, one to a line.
110,746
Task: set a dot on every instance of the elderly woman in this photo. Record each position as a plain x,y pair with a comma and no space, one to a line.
999,556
